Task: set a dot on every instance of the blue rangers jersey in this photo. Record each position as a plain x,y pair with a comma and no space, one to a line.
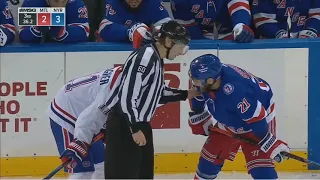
243,103
217,17
270,16
76,29
119,18
6,21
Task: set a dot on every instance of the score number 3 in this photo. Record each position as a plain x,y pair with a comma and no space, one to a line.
58,19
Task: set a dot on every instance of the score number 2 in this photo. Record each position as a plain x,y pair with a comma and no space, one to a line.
44,19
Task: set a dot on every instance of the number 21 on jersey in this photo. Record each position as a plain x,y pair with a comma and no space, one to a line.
243,105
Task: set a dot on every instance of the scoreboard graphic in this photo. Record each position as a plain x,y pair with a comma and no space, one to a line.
41,16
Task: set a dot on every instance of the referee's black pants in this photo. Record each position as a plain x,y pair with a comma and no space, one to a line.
124,158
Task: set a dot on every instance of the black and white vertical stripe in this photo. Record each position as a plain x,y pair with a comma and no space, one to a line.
141,85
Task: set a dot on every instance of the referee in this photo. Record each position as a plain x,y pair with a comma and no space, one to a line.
129,141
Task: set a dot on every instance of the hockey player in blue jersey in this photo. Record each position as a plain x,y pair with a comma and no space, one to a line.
75,30
242,104
7,28
215,19
270,18
132,20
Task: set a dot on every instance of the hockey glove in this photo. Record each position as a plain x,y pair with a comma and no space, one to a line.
308,33
242,33
200,122
273,147
3,37
39,31
42,29
283,34
77,150
209,35
58,33
139,34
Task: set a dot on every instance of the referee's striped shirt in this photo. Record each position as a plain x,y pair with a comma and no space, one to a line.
142,86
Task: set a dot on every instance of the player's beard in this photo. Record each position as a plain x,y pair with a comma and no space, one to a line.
212,87
206,88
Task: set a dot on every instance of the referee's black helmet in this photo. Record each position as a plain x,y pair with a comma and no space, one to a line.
175,31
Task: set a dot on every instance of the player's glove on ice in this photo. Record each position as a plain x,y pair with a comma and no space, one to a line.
200,122
273,147
77,150
242,33
308,33
139,34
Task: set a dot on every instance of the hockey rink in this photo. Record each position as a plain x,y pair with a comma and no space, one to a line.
222,175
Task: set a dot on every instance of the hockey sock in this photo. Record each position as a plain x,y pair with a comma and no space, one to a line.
207,169
263,173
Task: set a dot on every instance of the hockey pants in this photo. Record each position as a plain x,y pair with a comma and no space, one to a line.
124,158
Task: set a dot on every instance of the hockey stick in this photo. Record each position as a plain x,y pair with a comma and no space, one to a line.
66,162
253,142
289,25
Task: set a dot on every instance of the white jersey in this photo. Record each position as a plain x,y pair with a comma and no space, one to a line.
78,94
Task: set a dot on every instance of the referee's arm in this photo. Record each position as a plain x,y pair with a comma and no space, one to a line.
173,95
139,71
